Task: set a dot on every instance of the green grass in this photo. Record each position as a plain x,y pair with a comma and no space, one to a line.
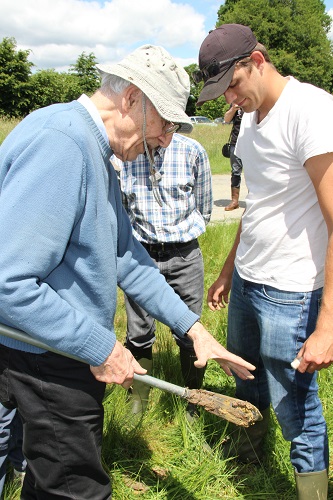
6,126
212,139
163,458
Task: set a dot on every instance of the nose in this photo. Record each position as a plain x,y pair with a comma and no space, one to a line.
164,140
229,95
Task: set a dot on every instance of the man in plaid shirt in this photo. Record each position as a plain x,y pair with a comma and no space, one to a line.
169,202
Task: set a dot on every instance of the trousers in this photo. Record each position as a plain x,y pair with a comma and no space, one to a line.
267,327
182,266
236,168
60,403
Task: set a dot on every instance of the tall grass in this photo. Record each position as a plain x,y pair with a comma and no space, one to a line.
212,138
163,457
6,126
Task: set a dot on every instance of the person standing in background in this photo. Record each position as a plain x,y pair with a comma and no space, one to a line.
11,437
234,116
168,227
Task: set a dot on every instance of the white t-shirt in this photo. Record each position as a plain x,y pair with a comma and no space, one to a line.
284,236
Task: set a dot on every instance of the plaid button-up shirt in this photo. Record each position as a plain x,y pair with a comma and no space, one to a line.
185,187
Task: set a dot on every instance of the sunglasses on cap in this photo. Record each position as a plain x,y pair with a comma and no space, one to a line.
214,68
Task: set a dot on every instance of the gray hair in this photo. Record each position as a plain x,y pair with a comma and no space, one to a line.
112,84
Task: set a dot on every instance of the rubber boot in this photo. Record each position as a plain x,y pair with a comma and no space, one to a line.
193,378
234,199
311,485
246,443
139,392
19,477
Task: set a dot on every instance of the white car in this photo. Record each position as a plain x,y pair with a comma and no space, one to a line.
202,120
220,121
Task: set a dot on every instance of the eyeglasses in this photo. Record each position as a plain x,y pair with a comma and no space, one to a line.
171,128
214,68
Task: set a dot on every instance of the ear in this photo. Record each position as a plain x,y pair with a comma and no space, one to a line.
257,58
131,97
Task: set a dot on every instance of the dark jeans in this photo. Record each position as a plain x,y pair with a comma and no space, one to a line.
236,168
11,436
60,403
183,269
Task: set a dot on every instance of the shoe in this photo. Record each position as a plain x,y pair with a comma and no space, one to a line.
232,206
138,394
234,200
191,413
311,485
19,476
246,444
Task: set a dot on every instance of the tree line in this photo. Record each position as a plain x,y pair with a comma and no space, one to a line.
22,91
295,32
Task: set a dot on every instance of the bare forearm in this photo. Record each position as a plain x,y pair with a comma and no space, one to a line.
218,293
325,318
317,351
229,263
230,114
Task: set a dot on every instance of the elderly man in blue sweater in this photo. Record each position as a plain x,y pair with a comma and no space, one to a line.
67,245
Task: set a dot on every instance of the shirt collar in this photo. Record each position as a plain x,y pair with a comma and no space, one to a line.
93,111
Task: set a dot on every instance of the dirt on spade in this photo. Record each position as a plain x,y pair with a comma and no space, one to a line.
234,410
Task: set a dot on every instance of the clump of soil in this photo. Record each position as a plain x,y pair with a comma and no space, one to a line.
234,410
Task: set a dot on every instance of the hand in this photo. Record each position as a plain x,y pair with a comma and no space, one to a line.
218,293
206,347
118,368
316,352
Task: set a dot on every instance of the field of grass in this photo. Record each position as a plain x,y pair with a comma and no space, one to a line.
6,126
212,139
163,458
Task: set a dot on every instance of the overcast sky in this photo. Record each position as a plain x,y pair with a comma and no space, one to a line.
58,31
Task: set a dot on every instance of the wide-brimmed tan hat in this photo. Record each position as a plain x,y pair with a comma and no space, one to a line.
161,79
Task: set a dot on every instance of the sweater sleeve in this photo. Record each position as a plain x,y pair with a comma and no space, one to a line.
41,198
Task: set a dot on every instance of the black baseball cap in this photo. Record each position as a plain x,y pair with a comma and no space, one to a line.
218,54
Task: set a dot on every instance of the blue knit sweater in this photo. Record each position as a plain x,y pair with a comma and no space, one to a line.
66,241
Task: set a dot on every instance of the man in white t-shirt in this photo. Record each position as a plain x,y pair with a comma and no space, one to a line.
276,268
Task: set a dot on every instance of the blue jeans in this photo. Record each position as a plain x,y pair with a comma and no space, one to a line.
183,269
11,436
267,327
